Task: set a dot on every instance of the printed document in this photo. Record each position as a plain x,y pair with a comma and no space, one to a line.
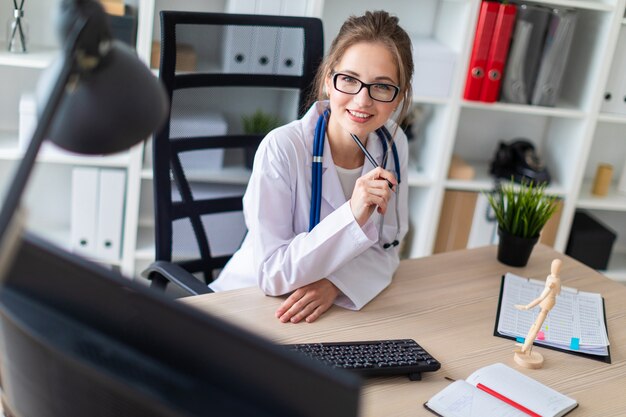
575,323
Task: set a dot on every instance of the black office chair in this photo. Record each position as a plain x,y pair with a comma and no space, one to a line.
211,62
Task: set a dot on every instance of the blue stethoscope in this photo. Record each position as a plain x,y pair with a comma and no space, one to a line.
316,178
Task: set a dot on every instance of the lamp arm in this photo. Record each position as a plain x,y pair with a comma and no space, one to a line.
25,167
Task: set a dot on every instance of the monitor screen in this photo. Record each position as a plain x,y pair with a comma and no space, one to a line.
78,340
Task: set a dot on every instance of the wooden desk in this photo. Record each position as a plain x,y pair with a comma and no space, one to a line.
448,302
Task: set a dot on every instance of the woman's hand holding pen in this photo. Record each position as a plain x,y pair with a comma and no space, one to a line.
370,191
308,302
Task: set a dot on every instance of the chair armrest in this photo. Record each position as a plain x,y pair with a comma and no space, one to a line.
177,275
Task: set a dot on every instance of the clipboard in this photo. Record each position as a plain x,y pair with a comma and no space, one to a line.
601,358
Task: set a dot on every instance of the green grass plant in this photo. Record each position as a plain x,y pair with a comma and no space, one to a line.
259,122
522,209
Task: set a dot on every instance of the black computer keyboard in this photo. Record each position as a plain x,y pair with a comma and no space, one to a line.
373,358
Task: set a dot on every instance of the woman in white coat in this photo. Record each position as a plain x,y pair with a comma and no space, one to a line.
324,224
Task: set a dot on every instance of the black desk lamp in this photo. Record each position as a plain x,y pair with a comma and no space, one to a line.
101,100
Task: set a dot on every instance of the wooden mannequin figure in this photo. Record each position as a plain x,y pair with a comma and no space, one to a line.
547,299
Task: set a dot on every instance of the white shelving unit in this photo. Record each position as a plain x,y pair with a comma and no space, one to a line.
573,137
48,197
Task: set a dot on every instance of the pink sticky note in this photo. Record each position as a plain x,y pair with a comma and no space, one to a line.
541,336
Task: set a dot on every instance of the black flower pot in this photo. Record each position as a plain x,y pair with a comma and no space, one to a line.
515,250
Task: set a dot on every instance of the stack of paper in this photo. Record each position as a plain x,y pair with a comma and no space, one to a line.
576,322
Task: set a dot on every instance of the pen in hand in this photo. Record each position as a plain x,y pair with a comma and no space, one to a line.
368,155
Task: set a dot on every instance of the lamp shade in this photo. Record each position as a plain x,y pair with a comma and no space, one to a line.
110,108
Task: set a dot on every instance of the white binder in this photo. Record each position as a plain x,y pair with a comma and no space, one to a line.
110,214
615,91
265,40
264,50
434,72
291,51
291,40
238,39
238,49
84,210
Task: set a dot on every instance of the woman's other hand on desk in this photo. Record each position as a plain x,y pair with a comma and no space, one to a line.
370,191
308,302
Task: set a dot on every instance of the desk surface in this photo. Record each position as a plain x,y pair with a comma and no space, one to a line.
447,303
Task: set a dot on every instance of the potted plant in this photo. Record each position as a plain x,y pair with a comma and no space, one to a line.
521,211
258,123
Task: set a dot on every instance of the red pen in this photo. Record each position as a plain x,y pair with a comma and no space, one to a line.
507,400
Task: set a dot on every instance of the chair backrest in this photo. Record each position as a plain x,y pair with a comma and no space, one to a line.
216,67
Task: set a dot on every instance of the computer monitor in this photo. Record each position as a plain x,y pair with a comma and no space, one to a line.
80,340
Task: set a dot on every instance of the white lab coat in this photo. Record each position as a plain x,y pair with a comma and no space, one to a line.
279,254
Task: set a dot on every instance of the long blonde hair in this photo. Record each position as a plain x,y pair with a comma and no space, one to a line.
376,26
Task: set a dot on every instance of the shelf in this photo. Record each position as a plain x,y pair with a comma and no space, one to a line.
146,248
485,182
570,113
612,201
49,154
227,175
418,179
36,57
431,100
612,118
470,129
60,236
54,156
241,176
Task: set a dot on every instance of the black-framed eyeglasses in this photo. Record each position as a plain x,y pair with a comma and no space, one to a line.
377,91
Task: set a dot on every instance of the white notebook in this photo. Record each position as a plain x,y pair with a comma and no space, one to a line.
499,391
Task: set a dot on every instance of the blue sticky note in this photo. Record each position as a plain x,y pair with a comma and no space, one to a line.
519,340
575,343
